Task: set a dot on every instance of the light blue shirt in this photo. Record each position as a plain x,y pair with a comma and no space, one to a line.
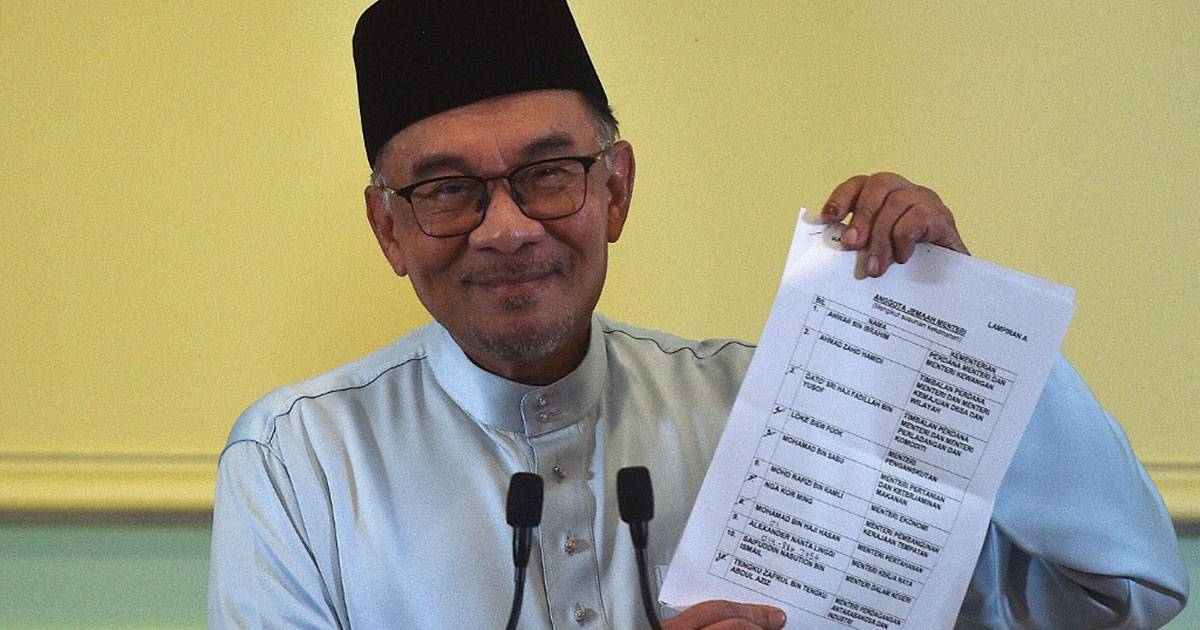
374,496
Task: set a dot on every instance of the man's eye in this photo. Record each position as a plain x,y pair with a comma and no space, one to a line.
546,177
548,173
446,191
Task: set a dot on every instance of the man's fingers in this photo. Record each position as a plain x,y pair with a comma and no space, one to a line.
896,205
929,221
842,199
727,615
889,216
862,197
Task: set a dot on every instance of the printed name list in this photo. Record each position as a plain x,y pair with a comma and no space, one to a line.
854,481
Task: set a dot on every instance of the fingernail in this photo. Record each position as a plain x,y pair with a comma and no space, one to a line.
777,618
831,210
850,236
873,265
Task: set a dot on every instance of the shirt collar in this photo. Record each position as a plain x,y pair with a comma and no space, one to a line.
510,406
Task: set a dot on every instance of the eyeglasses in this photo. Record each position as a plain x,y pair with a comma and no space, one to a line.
456,204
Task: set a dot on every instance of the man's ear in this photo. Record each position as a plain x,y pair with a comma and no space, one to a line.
620,187
383,225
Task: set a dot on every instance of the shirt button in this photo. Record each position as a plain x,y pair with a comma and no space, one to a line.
560,472
543,417
581,614
542,401
570,544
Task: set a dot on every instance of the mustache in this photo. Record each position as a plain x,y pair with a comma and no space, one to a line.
513,271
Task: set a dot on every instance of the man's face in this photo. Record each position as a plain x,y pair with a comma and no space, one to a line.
515,293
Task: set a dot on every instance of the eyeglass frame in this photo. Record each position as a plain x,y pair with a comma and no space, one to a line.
485,201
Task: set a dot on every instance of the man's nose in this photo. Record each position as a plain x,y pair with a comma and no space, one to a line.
505,227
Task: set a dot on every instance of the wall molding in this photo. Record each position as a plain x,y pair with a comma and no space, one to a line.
115,482
1179,483
183,482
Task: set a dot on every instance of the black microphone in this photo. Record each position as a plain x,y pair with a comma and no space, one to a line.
635,498
524,512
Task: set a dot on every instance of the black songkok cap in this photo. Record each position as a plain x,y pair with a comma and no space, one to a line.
418,58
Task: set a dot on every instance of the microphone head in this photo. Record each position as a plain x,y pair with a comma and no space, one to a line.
635,497
524,500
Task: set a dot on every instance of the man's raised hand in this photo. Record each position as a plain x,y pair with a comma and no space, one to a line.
889,216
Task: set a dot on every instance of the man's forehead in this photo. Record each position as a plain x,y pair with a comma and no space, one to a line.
525,125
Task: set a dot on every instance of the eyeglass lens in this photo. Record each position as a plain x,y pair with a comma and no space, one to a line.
543,190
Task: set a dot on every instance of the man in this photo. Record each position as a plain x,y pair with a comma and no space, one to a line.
373,496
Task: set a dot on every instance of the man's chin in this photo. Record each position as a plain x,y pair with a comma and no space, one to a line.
523,340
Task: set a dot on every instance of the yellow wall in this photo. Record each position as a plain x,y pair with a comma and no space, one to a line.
182,227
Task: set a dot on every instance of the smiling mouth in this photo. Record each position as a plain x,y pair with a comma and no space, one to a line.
509,281
500,276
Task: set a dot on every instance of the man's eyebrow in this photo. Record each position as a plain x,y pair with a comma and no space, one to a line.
433,163
439,163
547,146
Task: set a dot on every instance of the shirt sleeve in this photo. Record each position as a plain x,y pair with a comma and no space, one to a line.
1079,536
263,573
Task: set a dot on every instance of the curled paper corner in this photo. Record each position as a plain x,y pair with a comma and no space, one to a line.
811,217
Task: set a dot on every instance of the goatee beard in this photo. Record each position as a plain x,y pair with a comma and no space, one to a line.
520,341
524,343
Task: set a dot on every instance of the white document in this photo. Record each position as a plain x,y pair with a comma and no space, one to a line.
854,482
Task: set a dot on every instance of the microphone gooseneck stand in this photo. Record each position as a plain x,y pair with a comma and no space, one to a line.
524,512
635,498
